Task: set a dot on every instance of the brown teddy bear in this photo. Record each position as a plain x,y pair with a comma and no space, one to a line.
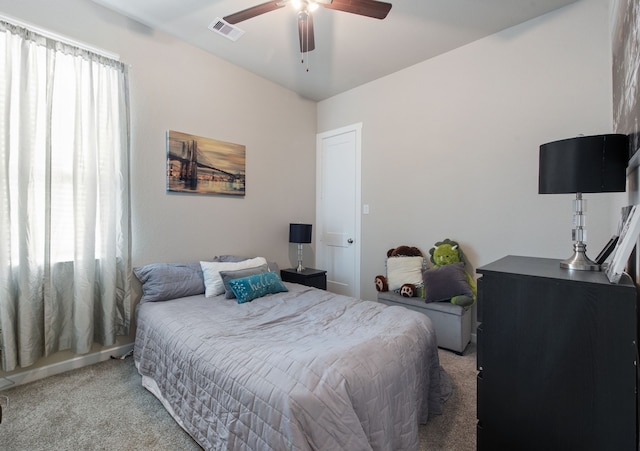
408,289
404,251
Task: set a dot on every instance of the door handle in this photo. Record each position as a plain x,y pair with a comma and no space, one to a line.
350,241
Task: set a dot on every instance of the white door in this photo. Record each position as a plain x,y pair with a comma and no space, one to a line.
338,208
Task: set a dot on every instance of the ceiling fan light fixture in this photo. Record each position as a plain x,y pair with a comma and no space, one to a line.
305,5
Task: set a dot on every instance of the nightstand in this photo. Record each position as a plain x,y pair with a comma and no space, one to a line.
309,277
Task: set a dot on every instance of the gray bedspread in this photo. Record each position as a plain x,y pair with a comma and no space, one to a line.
302,370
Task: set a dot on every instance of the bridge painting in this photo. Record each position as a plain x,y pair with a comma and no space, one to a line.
204,165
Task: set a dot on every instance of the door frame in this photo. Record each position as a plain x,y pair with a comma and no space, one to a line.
357,128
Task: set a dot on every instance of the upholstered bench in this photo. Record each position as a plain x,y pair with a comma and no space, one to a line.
451,322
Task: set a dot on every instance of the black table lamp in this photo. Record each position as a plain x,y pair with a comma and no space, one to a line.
300,233
586,164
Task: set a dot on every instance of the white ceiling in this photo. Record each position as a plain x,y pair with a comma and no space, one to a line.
350,50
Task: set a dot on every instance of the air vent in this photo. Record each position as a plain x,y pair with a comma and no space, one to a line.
226,29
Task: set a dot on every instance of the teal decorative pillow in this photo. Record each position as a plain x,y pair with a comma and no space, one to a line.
213,284
249,288
228,276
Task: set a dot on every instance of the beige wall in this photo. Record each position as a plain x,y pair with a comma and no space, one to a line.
179,87
450,146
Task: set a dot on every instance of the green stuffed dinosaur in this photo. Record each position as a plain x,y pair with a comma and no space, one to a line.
445,253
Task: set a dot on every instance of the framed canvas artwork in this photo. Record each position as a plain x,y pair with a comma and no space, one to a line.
626,71
204,166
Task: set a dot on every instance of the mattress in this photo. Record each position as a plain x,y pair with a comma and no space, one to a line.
301,370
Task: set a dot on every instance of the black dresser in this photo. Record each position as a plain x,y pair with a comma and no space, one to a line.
557,358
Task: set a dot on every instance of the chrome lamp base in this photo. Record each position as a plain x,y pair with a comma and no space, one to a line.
579,260
300,268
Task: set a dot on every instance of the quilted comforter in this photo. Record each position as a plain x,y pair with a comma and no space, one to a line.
301,370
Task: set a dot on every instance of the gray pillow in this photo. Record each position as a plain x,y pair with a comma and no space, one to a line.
273,267
227,276
444,282
164,281
230,258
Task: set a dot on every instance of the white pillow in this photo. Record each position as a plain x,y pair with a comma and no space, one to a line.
211,271
401,270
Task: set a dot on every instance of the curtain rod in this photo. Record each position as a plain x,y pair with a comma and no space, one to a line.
58,37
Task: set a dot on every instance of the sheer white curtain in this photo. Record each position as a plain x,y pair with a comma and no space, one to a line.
64,198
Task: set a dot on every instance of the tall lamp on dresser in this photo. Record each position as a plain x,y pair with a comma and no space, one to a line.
557,341
585,164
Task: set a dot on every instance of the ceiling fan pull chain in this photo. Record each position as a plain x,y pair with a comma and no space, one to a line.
303,30
307,39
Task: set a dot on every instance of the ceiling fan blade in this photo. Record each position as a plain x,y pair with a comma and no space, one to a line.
254,11
305,32
369,8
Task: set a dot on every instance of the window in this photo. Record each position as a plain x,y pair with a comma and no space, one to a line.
64,197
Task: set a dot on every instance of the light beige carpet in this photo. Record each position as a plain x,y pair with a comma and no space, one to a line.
104,407
455,429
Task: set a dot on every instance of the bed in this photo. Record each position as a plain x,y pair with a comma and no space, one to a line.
297,368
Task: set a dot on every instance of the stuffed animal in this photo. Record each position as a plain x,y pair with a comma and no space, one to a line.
447,252
404,251
381,283
408,290
411,270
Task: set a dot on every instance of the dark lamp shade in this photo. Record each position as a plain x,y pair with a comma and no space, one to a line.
299,233
585,164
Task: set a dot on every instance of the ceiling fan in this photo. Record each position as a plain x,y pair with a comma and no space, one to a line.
368,8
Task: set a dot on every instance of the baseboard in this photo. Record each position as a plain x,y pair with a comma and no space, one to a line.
25,377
